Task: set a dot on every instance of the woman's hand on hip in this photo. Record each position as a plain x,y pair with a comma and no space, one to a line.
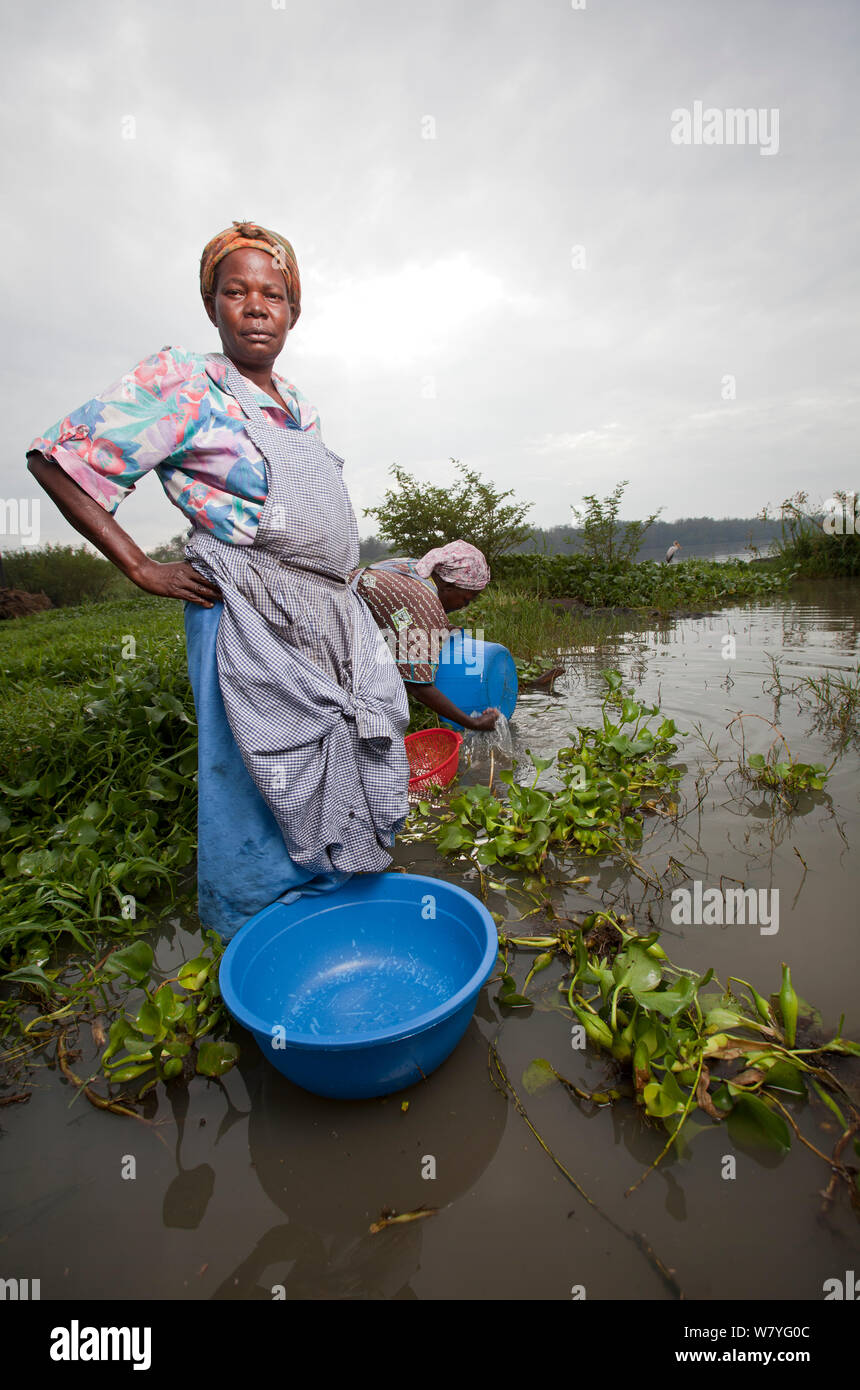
176,580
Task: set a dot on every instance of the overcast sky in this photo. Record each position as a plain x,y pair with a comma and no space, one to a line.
551,290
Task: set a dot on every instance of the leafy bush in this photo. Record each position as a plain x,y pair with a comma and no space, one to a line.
171,550
605,539
814,543
416,517
67,574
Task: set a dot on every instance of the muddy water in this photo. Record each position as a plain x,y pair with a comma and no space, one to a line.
250,1183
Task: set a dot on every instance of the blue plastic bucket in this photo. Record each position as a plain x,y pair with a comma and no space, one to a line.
366,990
476,675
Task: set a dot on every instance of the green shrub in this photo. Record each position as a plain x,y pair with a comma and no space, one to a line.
416,517
68,574
814,543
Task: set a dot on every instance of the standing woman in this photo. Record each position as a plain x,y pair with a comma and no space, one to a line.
303,775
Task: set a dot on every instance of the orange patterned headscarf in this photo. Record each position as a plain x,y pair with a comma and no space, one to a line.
250,234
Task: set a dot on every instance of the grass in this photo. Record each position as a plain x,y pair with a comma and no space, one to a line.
68,644
833,698
836,699
530,628
818,542
50,663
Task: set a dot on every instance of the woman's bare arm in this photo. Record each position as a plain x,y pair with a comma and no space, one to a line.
440,704
178,580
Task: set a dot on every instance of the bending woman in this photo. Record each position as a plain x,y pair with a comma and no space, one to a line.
410,600
306,779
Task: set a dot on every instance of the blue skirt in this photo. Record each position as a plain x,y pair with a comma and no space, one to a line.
242,861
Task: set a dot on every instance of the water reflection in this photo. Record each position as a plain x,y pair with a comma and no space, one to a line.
188,1195
333,1166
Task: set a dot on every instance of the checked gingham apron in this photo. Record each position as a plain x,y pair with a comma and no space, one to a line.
310,688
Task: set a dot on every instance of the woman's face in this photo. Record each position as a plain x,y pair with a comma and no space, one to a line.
249,307
452,597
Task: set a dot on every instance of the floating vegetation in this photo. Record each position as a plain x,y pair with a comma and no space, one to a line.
785,775
529,670
777,770
692,583
537,674
172,1034
606,775
389,1217
167,1033
734,1055
676,1048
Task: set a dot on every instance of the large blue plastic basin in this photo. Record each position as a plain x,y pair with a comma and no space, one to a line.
365,990
476,675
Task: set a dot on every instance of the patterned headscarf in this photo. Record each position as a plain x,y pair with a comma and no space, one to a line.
250,234
458,563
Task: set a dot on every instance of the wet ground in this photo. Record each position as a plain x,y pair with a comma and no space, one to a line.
251,1185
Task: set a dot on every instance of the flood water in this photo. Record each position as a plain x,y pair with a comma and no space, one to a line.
250,1183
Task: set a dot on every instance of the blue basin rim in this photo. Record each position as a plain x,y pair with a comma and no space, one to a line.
336,1042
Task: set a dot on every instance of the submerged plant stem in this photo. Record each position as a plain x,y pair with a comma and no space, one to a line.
843,1172
100,1102
522,1111
675,1132
635,1237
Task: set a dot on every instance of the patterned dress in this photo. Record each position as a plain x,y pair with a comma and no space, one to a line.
312,694
406,606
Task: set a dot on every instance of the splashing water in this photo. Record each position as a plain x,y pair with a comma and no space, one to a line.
478,744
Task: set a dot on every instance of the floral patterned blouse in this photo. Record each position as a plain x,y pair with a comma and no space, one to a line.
172,414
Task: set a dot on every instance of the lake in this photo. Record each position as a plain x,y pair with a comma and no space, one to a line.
251,1185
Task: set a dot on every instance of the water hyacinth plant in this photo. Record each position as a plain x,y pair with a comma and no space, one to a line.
674,1047
172,1033
785,775
735,1055
100,812
606,775
693,583
168,1035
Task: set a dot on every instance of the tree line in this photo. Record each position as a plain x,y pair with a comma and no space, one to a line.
414,517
